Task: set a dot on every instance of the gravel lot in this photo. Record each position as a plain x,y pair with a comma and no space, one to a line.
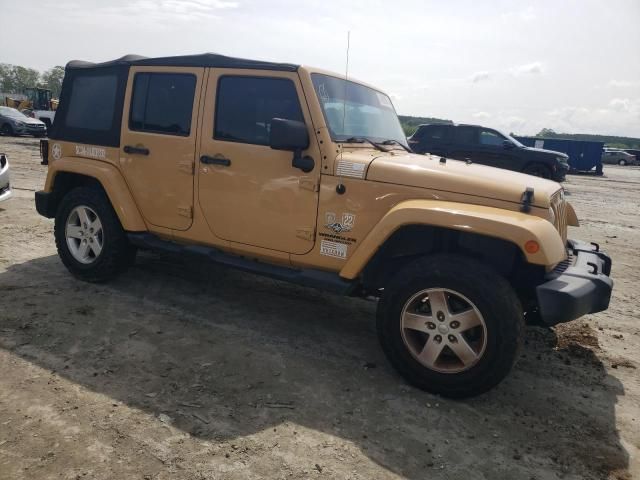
187,370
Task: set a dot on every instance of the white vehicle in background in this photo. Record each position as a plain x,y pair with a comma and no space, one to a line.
5,187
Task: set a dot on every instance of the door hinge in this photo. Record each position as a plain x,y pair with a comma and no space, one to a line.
187,167
185,212
306,233
309,183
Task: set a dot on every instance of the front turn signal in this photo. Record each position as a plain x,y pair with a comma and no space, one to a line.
532,246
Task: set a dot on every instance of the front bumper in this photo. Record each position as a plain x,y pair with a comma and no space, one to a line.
576,287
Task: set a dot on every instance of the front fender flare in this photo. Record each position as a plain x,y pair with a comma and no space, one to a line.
515,227
111,180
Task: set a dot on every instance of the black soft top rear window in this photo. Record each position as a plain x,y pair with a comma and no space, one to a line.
90,109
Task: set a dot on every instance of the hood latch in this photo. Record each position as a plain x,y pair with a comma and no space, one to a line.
526,199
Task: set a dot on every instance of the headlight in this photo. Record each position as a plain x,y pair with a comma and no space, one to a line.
552,216
20,124
562,159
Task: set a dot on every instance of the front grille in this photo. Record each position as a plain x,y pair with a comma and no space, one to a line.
559,206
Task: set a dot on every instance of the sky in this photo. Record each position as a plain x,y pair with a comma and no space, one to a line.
569,65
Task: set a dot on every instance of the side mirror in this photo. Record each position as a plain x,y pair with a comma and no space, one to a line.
291,135
507,145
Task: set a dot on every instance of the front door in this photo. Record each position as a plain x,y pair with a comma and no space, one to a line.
249,193
158,142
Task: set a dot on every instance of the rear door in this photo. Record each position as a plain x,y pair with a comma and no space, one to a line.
158,142
464,144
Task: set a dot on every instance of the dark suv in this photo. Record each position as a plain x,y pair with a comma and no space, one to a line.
489,147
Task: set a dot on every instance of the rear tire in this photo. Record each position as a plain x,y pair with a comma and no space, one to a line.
622,162
90,239
538,170
465,292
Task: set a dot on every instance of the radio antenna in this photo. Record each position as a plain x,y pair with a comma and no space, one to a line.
340,187
346,80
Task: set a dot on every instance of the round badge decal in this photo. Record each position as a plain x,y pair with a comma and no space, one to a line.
56,151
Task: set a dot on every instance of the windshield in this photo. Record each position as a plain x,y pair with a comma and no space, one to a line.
11,112
369,114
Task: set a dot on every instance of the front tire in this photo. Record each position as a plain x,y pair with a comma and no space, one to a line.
90,239
7,130
450,325
622,162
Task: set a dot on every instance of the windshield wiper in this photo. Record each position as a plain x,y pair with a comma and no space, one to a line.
396,142
363,140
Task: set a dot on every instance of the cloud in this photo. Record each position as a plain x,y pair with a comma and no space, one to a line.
481,115
480,77
526,15
535,68
623,83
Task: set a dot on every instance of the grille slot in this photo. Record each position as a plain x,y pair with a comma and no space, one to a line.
559,206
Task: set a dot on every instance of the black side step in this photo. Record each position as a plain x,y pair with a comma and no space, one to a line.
319,279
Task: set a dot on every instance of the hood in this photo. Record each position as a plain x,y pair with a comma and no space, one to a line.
547,152
32,121
426,171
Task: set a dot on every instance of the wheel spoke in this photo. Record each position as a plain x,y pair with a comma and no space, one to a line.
96,225
74,231
438,302
83,215
83,250
467,319
415,321
95,247
431,352
463,350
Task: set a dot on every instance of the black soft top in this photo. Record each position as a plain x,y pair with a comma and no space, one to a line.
201,60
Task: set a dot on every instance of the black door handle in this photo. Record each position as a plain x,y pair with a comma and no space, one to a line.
217,160
136,150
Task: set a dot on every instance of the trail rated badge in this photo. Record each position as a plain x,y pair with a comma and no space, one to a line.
344,225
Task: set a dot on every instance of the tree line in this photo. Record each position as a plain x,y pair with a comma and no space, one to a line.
15,78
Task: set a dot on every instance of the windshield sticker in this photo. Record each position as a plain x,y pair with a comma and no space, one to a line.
322,93
333,249
94,152
384,100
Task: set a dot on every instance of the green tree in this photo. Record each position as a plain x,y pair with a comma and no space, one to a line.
52,79
14,78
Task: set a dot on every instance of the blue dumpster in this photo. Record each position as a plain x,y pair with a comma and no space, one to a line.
583,156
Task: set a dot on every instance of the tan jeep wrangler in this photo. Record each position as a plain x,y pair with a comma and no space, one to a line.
298,174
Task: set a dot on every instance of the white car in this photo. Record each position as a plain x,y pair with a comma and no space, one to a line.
5,188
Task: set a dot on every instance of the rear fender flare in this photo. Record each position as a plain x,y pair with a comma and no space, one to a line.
112,182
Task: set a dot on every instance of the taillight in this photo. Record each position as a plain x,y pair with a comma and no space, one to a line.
44,152
3,160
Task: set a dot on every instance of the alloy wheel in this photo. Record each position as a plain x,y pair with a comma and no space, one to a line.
443,330
84,234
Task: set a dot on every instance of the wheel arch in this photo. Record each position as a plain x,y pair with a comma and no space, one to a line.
419,227
66,174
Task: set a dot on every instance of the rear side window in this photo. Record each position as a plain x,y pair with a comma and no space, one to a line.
162,103
245,107
466,135
434,133
92,102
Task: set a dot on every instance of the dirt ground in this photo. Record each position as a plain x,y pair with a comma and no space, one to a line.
181,369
